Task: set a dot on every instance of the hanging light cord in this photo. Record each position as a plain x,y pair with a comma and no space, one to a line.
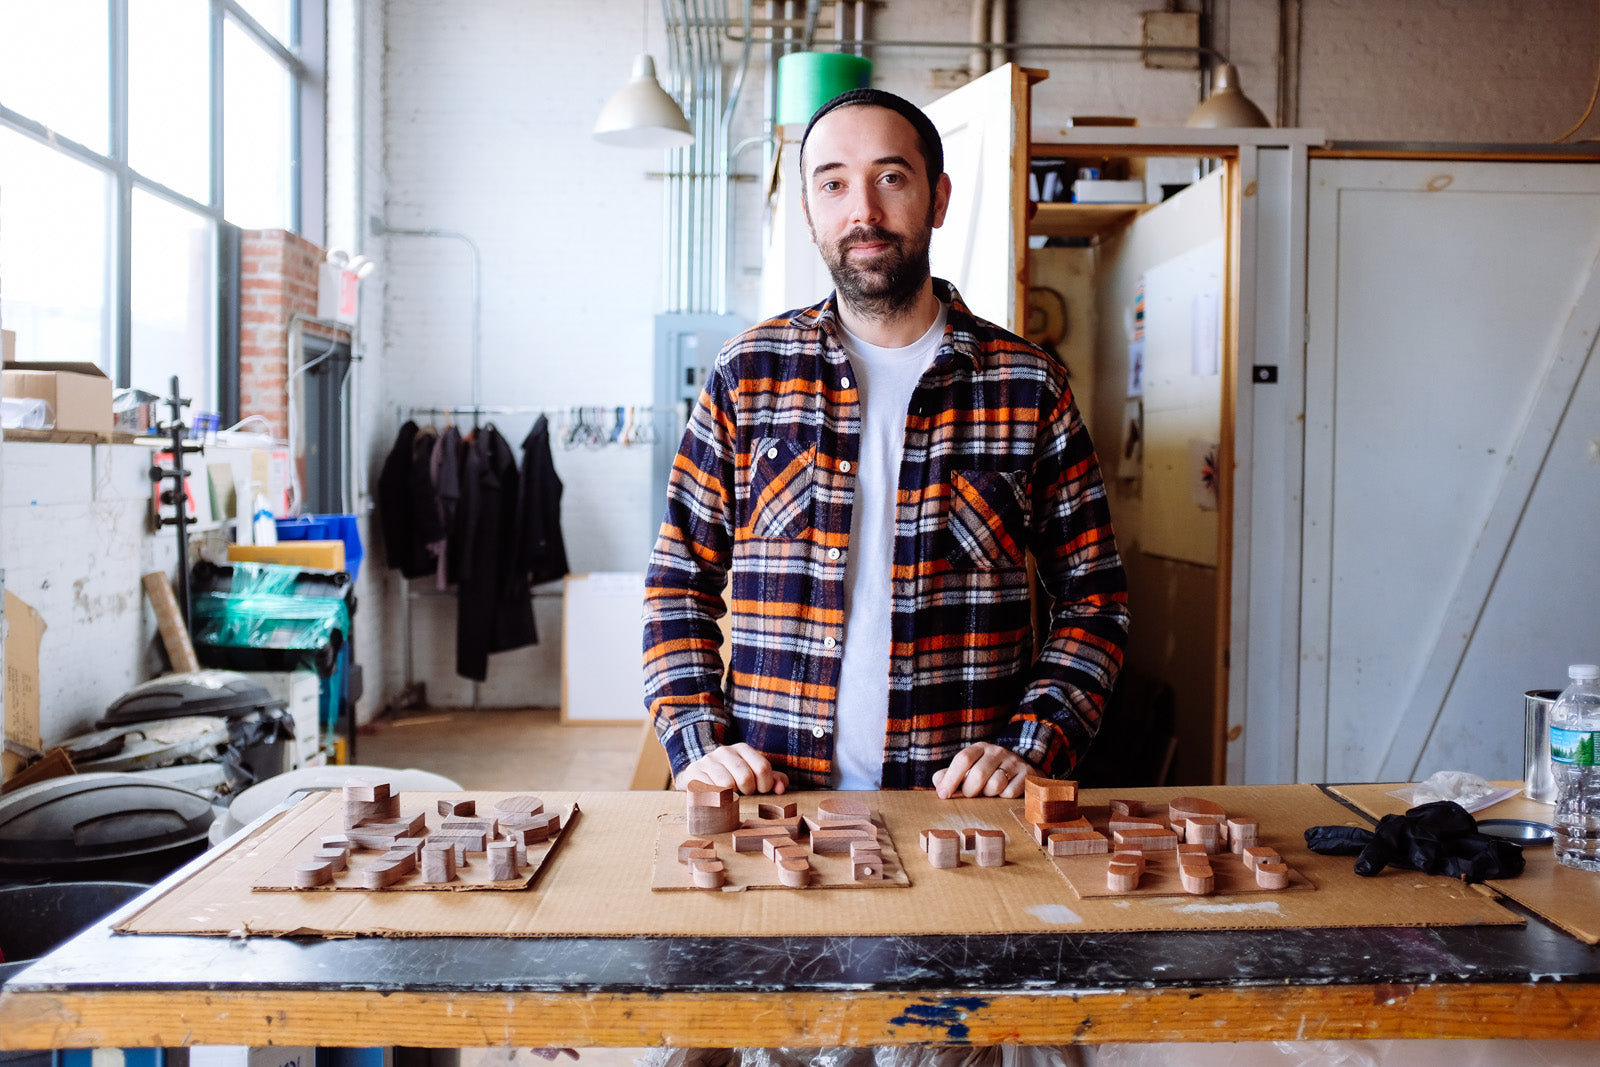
1586,111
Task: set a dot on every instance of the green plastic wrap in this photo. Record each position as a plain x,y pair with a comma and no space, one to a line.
263,624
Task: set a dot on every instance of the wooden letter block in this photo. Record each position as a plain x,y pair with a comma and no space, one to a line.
1191,848
438,863
1197,878
1043,830
708,874
1203,832
502,861
1077,843
1122,876
751,839
794,873
989,847
843,809
943,848
519,805
770,810
458,809
367,790
338,857
692,849
1134,808
710,809
1146,840
1181,809
782,848
1134,822
866,862
1135,858
1242,834
1049,799
836,840
1272,875
313,873
335,841
389,869
1255,855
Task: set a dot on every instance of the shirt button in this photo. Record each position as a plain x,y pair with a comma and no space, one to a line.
818,732
772,453
828,642
844,465
833,553
844,383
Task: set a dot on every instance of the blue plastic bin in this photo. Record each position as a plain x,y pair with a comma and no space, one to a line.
326,528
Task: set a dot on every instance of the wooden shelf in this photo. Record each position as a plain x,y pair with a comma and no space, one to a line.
1083,220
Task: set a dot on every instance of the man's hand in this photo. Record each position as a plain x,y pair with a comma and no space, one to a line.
739,766
983,770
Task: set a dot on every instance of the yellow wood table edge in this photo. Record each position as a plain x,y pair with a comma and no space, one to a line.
39,1020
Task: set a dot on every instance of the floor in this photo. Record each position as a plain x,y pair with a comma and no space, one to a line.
520,749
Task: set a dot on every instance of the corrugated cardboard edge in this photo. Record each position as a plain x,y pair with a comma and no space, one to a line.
1570,899
598,885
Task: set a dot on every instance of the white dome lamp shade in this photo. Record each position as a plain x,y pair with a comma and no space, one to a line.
641,114
1227,106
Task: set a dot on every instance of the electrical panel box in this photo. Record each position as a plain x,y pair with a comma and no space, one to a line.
687,344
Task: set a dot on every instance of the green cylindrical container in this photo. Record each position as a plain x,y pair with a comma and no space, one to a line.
807,80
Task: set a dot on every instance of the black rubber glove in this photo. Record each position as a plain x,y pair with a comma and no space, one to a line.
1437,838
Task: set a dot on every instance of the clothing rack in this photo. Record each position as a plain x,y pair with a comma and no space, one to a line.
634,415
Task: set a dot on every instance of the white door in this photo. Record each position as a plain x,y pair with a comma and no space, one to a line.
982,248
1451,521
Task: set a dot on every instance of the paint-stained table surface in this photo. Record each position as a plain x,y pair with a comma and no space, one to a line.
105,990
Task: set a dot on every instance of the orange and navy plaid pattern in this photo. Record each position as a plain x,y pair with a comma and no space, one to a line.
997,463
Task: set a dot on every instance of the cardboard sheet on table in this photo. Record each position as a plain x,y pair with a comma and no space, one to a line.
598,884
1568,898
752,870
1087,874
323,815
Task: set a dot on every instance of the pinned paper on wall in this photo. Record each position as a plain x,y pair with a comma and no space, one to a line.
1136,368
1205,340
1203,474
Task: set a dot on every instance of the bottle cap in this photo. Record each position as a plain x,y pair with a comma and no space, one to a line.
1583,672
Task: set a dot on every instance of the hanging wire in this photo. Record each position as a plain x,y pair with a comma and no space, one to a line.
1593,96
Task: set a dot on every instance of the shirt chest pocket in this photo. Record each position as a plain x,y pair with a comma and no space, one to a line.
989,518
782,484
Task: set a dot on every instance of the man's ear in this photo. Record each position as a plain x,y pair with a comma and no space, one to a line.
941,199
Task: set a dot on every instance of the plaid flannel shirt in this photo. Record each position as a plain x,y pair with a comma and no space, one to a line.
997,464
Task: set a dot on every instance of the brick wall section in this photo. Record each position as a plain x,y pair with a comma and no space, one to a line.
277,280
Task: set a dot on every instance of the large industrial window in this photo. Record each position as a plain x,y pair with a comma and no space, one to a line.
136,138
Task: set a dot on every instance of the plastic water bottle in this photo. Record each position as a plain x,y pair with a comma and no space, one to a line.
1575,762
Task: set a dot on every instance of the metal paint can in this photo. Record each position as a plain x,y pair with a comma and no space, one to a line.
1538,783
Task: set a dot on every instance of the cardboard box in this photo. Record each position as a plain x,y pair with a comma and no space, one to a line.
79,394
24,629
1102,191
8,345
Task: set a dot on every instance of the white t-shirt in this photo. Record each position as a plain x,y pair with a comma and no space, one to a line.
885,379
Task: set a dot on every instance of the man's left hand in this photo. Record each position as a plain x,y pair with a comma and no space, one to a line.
983,770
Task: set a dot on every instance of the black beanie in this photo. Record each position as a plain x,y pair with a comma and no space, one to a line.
927,133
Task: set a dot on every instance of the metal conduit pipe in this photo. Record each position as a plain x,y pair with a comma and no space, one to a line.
1024,46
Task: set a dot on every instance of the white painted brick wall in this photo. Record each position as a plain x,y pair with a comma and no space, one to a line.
487,112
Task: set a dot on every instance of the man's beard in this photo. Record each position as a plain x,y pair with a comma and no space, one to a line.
890,283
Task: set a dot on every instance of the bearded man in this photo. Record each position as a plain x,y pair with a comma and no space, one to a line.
862,483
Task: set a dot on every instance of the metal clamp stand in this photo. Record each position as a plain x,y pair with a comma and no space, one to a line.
177,496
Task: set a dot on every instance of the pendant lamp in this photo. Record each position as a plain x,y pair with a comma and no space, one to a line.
1227,106
641,114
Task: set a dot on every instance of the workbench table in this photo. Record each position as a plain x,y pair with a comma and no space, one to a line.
102,990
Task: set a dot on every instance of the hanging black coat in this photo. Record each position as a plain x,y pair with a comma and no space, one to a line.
394,503
542,553
494,602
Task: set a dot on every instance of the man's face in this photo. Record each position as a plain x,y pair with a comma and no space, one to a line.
869,207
